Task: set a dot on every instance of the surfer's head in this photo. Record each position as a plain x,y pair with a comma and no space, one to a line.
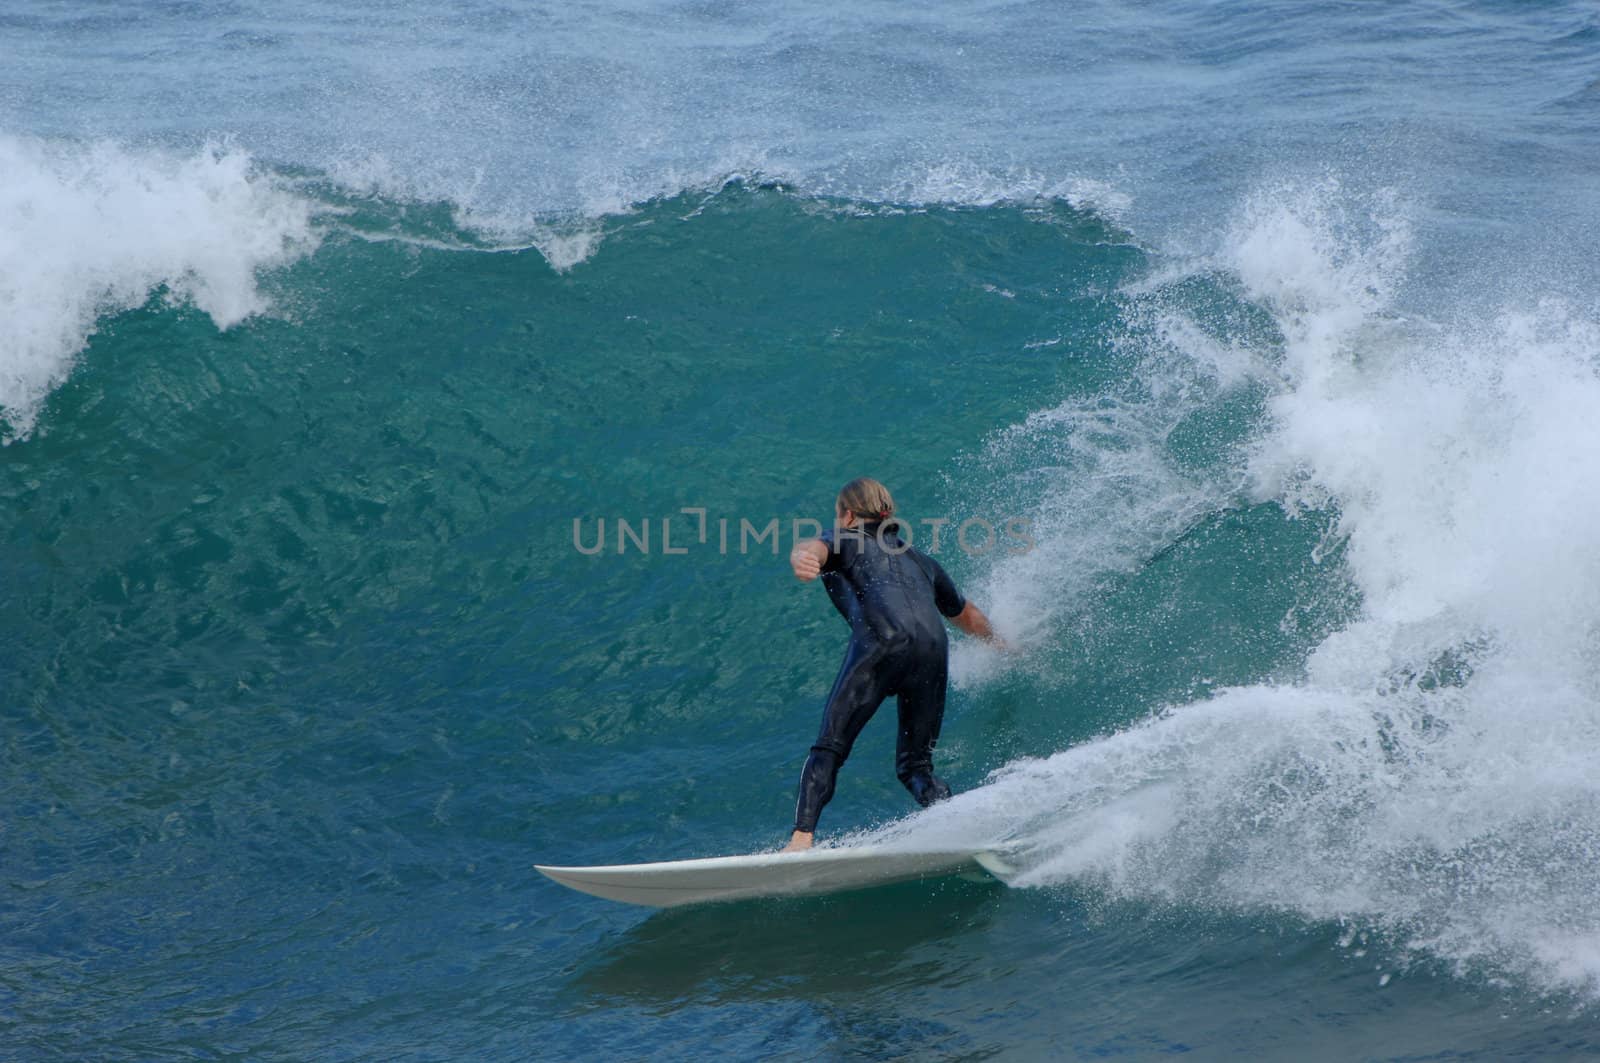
866,498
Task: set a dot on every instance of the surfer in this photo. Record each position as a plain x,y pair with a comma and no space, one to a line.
893,596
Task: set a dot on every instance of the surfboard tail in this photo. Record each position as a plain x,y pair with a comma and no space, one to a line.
997,865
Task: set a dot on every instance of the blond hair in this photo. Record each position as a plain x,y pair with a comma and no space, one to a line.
866,498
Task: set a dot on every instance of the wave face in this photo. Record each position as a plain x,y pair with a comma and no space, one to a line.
320,336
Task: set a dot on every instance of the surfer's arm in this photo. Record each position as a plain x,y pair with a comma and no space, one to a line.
807,559
954,607
972,620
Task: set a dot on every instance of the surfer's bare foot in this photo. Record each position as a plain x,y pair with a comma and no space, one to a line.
799,842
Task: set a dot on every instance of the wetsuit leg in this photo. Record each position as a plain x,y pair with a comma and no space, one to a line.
921,714
864,681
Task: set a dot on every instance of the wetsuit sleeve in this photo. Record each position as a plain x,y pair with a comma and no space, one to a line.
833,562
945,594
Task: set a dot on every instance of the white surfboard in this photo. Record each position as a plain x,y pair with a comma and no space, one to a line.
731,878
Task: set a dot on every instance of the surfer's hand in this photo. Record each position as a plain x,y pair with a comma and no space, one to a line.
807,566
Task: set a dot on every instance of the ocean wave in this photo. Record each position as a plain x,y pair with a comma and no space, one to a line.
1432,776
100,228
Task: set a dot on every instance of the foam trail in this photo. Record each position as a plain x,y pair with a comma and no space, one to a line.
1436,775
90,230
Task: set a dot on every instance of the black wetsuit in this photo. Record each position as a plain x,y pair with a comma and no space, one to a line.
893,595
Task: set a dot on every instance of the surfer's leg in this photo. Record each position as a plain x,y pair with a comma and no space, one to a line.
921,714
857,693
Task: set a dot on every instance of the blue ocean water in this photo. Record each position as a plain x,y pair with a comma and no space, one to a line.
322,326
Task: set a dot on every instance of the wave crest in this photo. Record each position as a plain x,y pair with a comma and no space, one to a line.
97,228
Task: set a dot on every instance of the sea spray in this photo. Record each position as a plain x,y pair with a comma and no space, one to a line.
90,229
1434,774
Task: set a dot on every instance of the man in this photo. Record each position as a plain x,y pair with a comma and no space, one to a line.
893,597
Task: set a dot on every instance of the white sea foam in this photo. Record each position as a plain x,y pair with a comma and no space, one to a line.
92,229
1436,775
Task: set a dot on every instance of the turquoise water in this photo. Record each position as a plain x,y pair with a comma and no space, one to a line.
319,330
